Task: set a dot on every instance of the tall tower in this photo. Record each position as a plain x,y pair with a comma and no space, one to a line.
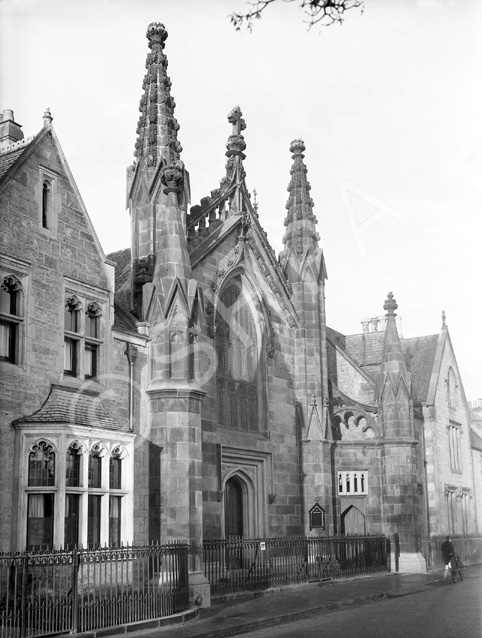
304,265
167,297
399,490
157,150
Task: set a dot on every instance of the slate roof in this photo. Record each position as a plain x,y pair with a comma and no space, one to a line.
123,319
476,440
418,354
72,406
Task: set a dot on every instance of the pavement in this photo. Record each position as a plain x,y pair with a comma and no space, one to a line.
234,615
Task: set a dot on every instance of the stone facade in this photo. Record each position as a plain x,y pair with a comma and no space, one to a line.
476,436
204,367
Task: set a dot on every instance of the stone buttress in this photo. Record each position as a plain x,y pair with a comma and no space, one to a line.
168,299
304,265
400,499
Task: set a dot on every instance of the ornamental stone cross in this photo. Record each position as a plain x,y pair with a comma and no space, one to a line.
235,117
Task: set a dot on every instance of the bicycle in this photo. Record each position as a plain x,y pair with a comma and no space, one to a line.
455,569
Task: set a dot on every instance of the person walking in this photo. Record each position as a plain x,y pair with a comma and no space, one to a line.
448,550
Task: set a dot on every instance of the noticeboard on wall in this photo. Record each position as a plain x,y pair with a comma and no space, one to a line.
317,517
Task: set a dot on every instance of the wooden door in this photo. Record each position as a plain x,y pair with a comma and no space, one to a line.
233,508
352,521
233,521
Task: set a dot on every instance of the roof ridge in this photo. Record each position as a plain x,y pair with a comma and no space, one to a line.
13,146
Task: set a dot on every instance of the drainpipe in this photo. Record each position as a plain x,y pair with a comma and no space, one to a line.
131,354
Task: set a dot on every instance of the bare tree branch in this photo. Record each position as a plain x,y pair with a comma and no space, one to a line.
322,12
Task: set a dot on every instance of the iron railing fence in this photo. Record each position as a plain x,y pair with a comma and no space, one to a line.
467,548
239,564
56,592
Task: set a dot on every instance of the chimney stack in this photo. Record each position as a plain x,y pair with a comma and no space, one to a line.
10,131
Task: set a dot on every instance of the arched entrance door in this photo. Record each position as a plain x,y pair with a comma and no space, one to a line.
233,510
352,521
233,521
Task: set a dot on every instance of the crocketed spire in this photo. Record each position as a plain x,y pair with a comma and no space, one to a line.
393,384
157,127
300,222
392,349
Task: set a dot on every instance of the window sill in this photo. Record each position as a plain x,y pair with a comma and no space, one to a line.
14,368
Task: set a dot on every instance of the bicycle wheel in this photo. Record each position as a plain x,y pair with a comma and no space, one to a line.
457,575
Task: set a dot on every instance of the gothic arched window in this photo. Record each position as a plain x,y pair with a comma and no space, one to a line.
452,388
237,356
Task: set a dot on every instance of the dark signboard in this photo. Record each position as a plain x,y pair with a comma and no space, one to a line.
317,517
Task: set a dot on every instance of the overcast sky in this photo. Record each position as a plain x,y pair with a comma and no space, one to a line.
389,106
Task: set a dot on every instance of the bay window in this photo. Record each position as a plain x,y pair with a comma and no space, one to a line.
77,491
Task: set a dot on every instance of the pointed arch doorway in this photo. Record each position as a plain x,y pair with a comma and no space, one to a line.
352,521
234,508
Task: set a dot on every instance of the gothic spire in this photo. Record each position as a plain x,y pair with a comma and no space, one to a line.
300,221
393,386
235,145
392,357
172,261
157,127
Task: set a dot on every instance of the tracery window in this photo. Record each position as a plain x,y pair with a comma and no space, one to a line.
11,318
237,361
40,505
71,339
41,465
82,340
76,492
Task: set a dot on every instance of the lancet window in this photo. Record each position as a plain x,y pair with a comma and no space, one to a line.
237,361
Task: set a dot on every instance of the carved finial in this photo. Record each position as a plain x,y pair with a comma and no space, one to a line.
390,305
47,117
444,317
157,128
172,177
301,234
236,143
297,147
156,34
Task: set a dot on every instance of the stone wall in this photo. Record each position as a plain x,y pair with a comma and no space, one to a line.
274,451
441,475
48,261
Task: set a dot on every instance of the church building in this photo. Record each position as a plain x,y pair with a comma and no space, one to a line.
188,386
